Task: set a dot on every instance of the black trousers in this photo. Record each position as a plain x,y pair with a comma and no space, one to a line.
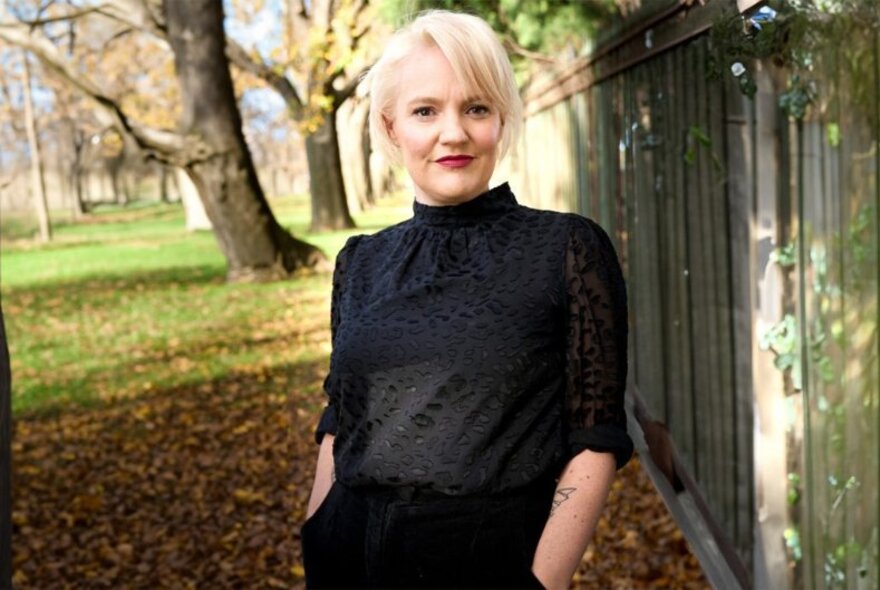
406,538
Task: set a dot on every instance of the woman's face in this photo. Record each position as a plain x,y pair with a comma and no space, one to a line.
449,141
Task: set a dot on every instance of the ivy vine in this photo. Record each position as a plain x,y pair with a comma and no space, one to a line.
789,34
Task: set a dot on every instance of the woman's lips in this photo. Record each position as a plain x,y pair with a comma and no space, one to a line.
455,161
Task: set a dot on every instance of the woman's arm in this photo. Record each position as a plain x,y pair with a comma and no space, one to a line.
324,475
325,472
580,497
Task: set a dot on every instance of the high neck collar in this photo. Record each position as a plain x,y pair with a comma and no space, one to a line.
485,206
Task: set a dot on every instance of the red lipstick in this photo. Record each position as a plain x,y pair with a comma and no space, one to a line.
456,161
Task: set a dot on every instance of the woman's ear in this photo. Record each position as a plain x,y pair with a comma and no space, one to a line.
389,129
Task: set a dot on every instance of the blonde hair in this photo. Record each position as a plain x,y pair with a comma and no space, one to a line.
479,61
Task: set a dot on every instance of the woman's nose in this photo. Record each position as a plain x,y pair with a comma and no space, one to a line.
453,131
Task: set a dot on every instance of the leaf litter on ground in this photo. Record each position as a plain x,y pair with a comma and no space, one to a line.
205,486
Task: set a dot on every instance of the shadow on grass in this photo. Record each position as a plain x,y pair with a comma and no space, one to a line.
21,228
81,340
132,378
101,284
74,241
143,280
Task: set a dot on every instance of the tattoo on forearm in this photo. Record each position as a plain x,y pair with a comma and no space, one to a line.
562,494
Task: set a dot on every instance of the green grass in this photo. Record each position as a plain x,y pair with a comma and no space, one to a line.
128,302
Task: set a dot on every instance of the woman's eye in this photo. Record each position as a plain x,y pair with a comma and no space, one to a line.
478,109
423,112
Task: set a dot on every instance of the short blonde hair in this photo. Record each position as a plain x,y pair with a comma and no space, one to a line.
476,56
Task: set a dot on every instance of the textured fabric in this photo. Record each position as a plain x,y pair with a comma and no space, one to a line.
475,348
396,538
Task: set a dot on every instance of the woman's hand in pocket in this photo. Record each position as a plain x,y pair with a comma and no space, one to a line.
323,476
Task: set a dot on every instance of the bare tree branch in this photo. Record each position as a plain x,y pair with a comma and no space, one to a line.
144,15
299,8
299,18
6,181
67,16
164,145
322,15
356,37
353,42
342,94
119,35
156,11
240,57
360,6
514,47
14,122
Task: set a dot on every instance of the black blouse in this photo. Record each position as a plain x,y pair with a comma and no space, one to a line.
476,348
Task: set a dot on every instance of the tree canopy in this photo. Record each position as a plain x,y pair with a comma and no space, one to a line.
529,29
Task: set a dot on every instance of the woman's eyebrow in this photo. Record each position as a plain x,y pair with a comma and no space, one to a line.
433,100
423,100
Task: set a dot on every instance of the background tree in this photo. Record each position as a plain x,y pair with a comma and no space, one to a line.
273,136
22,130
14,160
9,123
5,462
74,133
315,69
38,180
531,31
209,145
147,90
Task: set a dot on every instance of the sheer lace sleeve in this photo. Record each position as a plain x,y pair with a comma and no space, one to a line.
596,344
328,421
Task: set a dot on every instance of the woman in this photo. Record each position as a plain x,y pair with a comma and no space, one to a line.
475,414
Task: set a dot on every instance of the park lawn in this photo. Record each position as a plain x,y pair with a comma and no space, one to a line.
127,302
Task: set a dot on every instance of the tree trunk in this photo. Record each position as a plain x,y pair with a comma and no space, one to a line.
88,190
366,149
107,188
256,247
119,168
327,188
352,118
163,182
169,184
5,462
77,205
75,172
114,170
38,181
193,210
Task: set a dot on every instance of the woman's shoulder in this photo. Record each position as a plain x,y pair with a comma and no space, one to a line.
568,224
370,244
587,229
